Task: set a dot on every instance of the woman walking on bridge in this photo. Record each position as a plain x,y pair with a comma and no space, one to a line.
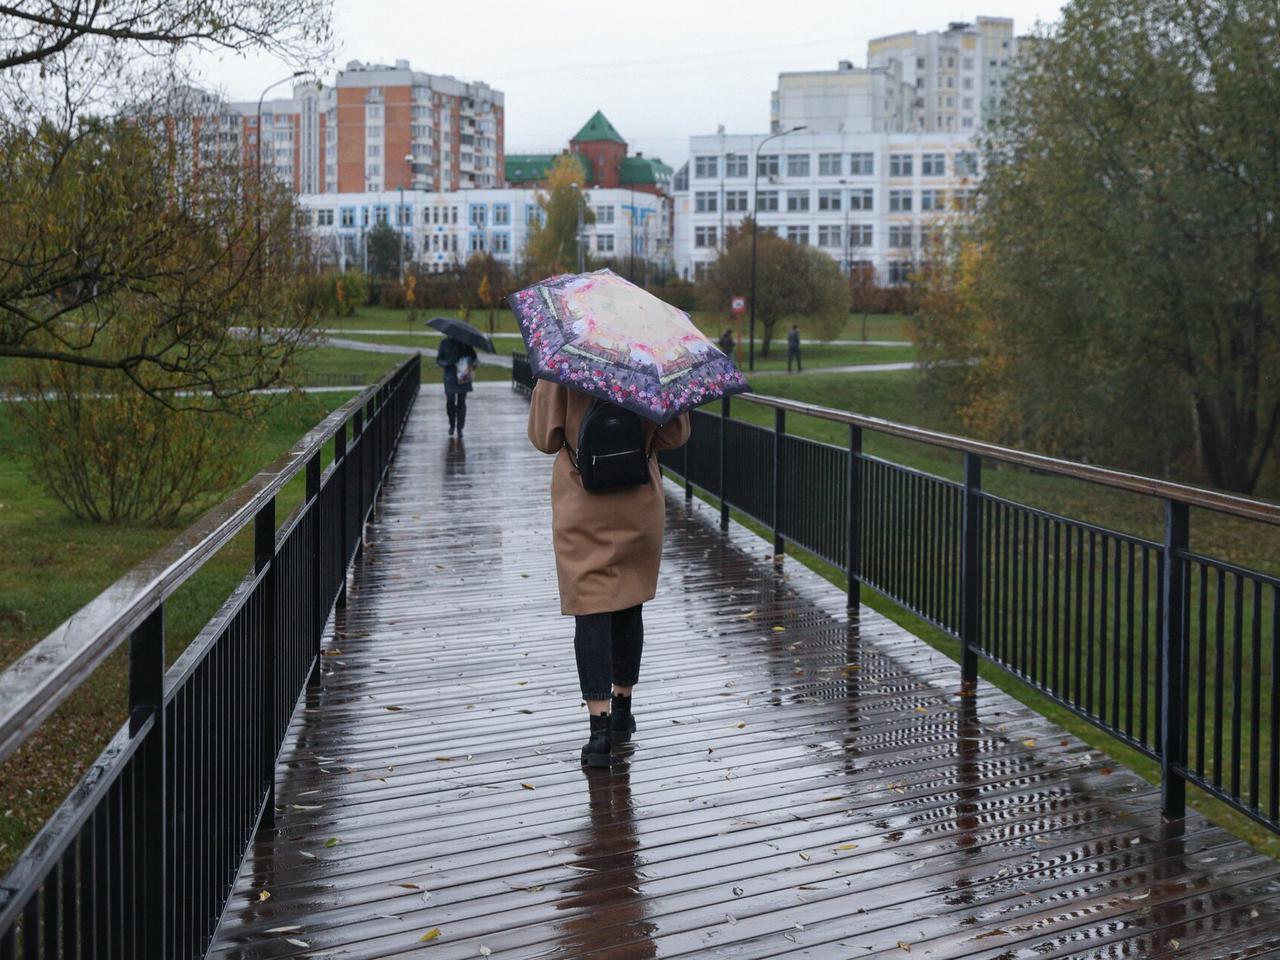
608,547
617,370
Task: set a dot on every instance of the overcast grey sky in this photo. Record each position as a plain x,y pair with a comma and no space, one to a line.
659,69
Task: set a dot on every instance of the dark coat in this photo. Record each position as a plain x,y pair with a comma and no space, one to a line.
450,352
793,341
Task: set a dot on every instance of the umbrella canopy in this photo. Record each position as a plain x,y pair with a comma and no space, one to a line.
461,330
599,334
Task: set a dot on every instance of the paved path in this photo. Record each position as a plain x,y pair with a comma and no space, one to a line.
489,359
802,784
515,336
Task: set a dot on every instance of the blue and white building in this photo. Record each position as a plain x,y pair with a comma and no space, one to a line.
446,228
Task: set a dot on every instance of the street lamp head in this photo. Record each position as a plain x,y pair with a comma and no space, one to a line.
797,129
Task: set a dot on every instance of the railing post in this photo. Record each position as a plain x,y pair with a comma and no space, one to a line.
724,433
146,701
853,504
1173,640
264,548
779,431
318,608
688,483
339,476
970,573
361,444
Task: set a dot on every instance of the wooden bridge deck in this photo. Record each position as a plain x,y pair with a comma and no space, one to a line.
801,785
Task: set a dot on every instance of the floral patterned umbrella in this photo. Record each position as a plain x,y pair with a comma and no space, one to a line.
599,334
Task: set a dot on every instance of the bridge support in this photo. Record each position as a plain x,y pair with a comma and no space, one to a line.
970,573
1173,644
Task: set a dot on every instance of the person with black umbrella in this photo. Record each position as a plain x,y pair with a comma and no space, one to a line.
457,355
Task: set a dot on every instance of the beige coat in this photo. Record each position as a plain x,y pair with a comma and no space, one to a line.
608,545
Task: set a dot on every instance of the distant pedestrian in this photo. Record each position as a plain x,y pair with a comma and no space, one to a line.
459,362
793,347
726,343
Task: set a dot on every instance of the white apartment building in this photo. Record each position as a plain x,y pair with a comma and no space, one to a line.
942,81
866,199
446,228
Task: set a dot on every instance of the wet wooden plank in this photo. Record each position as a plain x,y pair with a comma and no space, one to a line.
802,785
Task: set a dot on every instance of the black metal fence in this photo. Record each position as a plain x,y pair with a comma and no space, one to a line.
1174,653
138,861
521,373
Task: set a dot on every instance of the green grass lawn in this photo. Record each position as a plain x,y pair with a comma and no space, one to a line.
53,564
895,396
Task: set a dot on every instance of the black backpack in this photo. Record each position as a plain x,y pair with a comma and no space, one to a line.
611,452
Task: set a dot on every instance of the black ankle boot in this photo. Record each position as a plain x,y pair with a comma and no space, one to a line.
595,752
622,724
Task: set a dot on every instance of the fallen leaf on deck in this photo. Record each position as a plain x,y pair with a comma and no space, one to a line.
741,724
847,846
296,942
429,935
264,895
1029,742
804,857
331,842
293,929
904,946
527,786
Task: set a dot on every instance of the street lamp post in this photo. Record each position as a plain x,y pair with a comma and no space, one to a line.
755,227
844,202
400,218
258,165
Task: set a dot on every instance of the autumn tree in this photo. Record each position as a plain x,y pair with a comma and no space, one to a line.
552,245
1121,290
791,281
489,280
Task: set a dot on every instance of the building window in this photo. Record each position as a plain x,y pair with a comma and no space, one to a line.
704,167
798,235
900,236
963,200
735,201
797,201
501,214
477,243
899,201
900,165
966,164
735,165
479,214
404,216
797,165
931,200
829,199
899,272
604,243
502,243
604,213
860,235
767,201
373,150
829,235
324,218
830,164
381,215
704,201
861,199
861,164
704,236
933,164
767,165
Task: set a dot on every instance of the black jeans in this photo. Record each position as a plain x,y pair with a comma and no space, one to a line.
455,405
608,648
796,354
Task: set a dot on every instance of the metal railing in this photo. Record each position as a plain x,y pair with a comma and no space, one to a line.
521,373
1174,653
138,861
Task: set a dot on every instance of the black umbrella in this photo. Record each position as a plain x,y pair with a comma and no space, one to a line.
461,330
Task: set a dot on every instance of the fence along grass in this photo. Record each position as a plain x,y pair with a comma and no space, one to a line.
1075,609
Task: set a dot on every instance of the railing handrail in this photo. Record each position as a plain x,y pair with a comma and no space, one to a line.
34,685
1227,503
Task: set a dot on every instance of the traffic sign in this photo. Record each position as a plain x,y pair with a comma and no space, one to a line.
738,305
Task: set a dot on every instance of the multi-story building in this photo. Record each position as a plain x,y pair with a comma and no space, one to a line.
375,127
867,199
943,81
445,228
605,161
885,155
